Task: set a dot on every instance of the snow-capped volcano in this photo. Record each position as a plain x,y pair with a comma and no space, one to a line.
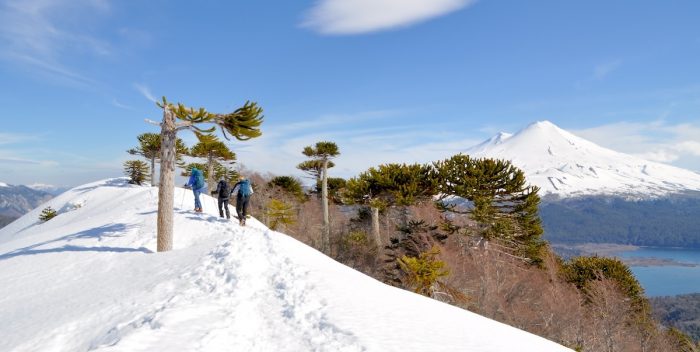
565,165
89,279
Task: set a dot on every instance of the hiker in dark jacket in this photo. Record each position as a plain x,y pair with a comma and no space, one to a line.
243,190
223,192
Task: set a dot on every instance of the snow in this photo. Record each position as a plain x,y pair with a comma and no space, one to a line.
89,279
566,165
2,184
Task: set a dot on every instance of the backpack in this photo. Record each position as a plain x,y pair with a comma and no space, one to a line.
223,189
198,179
245,188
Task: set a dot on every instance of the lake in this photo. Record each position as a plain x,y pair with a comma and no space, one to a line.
667,280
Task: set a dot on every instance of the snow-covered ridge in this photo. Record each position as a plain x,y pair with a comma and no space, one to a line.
566,165
89,280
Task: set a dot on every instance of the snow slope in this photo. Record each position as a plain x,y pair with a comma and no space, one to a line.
565,165
89,280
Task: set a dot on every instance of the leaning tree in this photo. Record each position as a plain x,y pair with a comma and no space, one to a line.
320,160
242,124
149,148
215,152
390,185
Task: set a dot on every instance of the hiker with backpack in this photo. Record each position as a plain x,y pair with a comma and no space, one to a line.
243,190
196,182
223,192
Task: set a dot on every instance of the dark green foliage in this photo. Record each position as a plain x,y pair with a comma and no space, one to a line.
220,171
322,150
501,201
680,341
288,184
149,146
137,171
211,147
581,271
424,271
279,213
47,214
681,312
314,168
242,124
335,185
664,222
393,184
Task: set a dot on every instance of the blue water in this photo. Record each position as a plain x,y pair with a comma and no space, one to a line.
667,280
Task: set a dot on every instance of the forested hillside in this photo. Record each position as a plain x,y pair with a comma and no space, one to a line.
671,221
681,312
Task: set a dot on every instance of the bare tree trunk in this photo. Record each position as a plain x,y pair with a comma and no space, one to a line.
325,239
166,191
210,173
153,171
375,227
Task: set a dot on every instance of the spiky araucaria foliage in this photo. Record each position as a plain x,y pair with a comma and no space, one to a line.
390,185
149,148
220,171
137,171
501,201
279,213
242,124
320,156
215,152
47,214
289,185
424,271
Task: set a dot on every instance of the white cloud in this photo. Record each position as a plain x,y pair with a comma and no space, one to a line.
654,140
42,34
145,91
603,70
363,16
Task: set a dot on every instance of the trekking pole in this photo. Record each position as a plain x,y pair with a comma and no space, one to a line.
182,201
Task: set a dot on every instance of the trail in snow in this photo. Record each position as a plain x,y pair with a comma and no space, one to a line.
89,280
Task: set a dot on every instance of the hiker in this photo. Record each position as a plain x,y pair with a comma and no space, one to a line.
223,192
243,190
196,182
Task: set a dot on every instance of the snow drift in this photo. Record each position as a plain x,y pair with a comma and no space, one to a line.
566,165
89,280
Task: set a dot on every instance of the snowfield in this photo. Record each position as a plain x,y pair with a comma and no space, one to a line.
89,280
566,165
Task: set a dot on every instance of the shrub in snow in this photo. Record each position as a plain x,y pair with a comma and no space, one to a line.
137,171
47,214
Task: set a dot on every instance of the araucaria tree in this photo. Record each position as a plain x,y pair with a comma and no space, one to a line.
501,201
243,124
321,155
390,185
214,151
137,171
149,148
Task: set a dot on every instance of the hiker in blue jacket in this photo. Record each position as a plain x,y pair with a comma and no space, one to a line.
243,190
196,182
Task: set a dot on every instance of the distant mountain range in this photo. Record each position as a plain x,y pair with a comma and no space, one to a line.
565,165
17,200
594,194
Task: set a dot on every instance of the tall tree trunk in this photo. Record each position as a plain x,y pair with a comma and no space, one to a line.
210,173
153,171
166,191
325,240
375,227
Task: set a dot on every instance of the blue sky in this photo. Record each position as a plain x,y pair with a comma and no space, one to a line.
388,80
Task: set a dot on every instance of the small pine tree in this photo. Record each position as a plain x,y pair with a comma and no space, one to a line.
289,185
137,171
47,214
424,271
279,213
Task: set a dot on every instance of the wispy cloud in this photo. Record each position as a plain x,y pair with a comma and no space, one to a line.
116,103
13,138
41,34
653,140
363,16
145,91
603,70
